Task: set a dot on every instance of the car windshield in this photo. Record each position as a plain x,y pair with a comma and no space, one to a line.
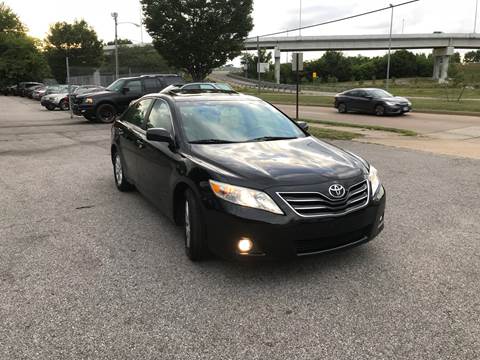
116,85
223,86
212,122
379,93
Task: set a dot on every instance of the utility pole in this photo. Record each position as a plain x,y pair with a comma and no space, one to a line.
69,86
300,22
258,63
141,26
115,18
475,23
387,83
403,26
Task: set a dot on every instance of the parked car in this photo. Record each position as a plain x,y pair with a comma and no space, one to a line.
10,90
29,91
23,86
207,86
58,100
242,178
373,101
39,92
104,106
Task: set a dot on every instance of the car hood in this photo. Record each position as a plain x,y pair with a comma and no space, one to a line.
97,94
301,161
396,99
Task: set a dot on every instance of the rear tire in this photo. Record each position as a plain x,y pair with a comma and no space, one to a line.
195,239
106,113
119,174
64,106
379,110
342,108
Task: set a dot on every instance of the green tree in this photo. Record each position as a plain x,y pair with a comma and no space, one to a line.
137,59
252,59
472,57
9,21
198,35
20,57
80,42
21,60
120,42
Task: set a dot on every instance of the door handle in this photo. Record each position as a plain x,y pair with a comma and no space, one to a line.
140,144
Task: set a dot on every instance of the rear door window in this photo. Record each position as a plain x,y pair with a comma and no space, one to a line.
152,85
134,87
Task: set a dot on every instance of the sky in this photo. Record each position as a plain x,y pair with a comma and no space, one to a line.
424,16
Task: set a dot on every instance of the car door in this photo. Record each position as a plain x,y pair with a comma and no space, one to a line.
363,101
131,134
132,90
157,161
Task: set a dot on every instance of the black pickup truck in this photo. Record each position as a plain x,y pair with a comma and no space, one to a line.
104,106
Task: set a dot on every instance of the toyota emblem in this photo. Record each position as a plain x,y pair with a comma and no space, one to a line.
336,191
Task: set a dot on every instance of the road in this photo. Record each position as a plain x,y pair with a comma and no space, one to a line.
423,123
87,272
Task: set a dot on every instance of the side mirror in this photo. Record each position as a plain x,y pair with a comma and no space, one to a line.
160,135
125,90
303,125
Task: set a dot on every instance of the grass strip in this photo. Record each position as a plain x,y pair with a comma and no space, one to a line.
403,132
331,134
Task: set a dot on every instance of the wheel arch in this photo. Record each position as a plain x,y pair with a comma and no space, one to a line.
178,200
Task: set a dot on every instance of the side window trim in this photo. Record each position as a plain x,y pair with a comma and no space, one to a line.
135,127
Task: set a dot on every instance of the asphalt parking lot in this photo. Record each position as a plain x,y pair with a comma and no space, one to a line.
88,272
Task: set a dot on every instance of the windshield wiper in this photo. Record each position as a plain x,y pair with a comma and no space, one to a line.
272,138
213,141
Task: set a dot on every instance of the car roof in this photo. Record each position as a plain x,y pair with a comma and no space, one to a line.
150,76
205,96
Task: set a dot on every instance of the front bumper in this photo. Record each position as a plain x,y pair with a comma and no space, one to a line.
289,236
83,109
397,109
47,102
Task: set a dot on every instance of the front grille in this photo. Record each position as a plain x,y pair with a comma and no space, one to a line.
315,204
324,244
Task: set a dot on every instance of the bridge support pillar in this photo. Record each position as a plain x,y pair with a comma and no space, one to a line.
277,65
441,60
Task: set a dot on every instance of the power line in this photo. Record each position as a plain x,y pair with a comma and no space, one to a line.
336,20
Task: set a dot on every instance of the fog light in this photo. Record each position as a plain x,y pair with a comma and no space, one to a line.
245,245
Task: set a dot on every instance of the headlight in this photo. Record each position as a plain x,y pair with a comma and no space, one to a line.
88,101
374,179
245,197
390,103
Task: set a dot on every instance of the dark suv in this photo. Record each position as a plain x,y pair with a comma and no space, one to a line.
104,106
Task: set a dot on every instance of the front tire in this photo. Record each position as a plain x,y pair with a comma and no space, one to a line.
119,174
64,106
106,113
50,107
194,233
342,108
379,110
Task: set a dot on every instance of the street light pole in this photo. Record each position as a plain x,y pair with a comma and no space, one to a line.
387,83
475,23
115,17
69,86
300,22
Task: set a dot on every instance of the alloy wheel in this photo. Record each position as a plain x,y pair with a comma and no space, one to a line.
118,170
187,226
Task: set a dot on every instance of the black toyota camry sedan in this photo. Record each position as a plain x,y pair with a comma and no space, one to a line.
242,178
372,101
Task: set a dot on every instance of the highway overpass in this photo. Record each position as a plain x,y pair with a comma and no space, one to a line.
443,45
